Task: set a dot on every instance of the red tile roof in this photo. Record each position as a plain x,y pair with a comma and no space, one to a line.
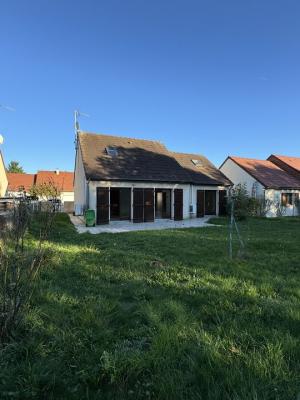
62,180
18,181
293,162
267,173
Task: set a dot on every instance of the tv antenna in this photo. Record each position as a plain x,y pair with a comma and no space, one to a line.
78,114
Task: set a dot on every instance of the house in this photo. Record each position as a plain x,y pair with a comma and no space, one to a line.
140,180
62,180
265,180
3,177
18,184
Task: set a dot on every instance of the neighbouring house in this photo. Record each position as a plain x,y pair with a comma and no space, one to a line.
3,177
63,180
140,180
265,180
19,184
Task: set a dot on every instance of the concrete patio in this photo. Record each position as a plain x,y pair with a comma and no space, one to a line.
127,226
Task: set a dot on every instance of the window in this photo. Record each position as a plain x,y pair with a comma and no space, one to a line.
286,199
111,151
198,163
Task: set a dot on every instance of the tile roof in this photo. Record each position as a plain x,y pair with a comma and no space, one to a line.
140,160
17,181
292,162
267,173
201,170
63,180
136,159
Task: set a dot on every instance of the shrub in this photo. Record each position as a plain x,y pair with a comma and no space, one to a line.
20,263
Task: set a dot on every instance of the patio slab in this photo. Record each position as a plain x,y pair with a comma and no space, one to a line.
127,226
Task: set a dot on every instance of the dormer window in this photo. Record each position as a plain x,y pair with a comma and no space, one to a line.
111,151
198,163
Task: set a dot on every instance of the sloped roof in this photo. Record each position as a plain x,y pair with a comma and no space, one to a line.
63,180
267,173
141,160
292,162
17,181
136,159
201,170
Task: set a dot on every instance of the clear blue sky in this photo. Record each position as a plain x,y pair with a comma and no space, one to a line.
212,77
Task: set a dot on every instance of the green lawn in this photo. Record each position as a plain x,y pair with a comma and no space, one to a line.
162,315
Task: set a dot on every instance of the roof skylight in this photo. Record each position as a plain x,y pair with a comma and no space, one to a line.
111,151
198,163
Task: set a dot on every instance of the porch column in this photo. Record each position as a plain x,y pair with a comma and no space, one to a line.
109,204
217,202
172,203
131,203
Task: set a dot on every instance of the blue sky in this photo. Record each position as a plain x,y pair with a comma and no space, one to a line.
211,77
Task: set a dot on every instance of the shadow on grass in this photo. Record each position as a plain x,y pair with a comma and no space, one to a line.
162,315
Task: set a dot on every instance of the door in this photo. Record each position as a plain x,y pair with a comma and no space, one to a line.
178,204
200,204
125,204
210,202
102,206
148,205
158,204
222,202
114,203
138,205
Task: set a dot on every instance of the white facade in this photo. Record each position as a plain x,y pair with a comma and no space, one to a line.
66,196
254,188
238,175
189,194
275,198
80,185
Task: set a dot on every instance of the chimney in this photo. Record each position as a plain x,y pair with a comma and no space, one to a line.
57,172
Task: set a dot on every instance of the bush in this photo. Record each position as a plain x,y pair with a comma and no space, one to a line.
20,263
244,205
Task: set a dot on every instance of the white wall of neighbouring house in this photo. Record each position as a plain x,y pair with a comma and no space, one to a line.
80,185
238,175
67,196
3,177
275,198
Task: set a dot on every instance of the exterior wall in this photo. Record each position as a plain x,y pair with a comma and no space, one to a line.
67,196
239,176
275,197
189,193
3,177
80,185
92,188
193,197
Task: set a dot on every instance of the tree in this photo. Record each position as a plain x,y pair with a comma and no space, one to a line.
15,167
